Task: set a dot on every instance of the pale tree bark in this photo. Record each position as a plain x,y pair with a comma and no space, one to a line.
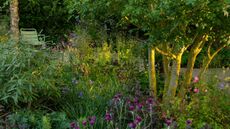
171,73
152,72
167,56
175,74
195,50
14,15
166,67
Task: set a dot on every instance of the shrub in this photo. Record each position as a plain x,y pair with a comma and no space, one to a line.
37,119
26,75
207,106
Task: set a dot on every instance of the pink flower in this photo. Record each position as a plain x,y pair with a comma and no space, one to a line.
196,90
84,122
196,79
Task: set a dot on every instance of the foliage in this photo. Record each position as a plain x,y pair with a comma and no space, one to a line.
207,106
124,112
95,73
26,75
37,119
104,14
73,87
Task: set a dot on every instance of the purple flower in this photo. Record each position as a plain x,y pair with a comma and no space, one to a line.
73,125
221,86
93,118
92,122
132,125
150,101
84,122
139,106
80,94
138,120
135,100
189,122
128,101
77,127
168,122
108,117
131,107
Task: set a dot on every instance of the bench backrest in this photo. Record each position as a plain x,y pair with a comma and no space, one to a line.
30,36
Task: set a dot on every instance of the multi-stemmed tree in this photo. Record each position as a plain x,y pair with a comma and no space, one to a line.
178,26
173,27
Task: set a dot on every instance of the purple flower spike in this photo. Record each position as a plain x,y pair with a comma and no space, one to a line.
73,125
128,101
93,118
135,100
132,125
80,94
138,120
150,101
139,106
168,122
108,117
92,122
131,107
77,127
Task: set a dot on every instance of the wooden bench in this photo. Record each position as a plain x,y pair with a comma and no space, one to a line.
30,36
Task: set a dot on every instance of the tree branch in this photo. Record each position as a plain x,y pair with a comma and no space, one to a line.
169,54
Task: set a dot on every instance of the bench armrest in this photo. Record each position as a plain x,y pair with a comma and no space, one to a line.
41,37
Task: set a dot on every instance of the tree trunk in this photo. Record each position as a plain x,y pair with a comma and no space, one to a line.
197,47
175,72
152,72
14,15
166,75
